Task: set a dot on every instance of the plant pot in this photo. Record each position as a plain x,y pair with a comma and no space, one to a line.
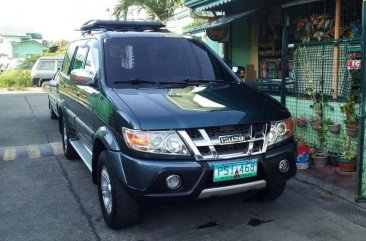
347,165
333,158
334,127
301,122
320,159
351,130
316,124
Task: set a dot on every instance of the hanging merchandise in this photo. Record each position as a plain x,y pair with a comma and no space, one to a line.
314,28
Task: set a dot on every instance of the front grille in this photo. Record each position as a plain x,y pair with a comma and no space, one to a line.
214,132
232,149
224,142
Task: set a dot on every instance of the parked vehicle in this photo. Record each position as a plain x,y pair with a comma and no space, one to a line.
44,69
159,116
53,96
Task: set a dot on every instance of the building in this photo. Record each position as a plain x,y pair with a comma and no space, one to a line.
18,44
305,53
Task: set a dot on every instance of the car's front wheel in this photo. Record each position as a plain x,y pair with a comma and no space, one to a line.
270,193
119,208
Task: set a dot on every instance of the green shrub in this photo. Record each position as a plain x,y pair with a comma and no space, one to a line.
15,79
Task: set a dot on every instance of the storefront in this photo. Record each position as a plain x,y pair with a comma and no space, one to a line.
308,55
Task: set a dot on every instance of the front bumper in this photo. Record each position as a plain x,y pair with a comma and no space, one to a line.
146,178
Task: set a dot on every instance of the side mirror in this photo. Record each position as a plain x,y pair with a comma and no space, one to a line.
235,69
53,83
81,77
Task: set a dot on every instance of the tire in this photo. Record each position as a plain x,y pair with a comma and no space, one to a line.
270,193
69,150
44,86
52,112
121,210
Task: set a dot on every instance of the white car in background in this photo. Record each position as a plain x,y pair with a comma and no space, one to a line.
44,70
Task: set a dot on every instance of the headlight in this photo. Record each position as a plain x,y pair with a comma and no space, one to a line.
280,130
159,142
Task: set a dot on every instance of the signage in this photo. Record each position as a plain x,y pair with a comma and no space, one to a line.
354,64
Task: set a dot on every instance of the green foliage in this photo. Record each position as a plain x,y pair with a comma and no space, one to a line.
157,9
322,134
28,62
350,149
349,109
15,79
349,155
300,138
58,49
337,146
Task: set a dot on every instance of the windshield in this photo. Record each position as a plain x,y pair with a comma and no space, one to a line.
162,60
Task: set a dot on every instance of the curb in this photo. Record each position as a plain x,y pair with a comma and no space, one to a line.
30,151
29,90
346,194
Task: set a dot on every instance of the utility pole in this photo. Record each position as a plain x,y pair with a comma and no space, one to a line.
361,193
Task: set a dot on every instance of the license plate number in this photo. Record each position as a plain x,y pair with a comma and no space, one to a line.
235,170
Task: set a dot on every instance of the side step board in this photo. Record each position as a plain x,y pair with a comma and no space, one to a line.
84,152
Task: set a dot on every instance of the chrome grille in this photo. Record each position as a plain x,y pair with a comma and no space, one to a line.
206,145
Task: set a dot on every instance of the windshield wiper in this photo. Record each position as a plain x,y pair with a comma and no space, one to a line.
199,81
135,82
195,82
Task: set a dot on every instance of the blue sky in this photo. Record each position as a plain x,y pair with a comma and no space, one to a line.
54,19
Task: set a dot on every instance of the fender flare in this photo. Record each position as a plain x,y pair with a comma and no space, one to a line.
105,137
108,139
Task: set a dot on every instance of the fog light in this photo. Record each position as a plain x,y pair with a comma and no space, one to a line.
284,166
173,182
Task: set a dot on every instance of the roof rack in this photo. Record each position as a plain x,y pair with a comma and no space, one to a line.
121,26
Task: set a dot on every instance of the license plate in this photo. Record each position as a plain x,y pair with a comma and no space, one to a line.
235,170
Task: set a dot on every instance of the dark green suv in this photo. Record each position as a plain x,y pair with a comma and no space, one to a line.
159,116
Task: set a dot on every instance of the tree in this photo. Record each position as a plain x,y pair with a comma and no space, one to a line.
156,9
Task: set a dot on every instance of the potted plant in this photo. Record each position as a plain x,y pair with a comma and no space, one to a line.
333,127
347,161
301,121
333,156
320,156
351,117
315,123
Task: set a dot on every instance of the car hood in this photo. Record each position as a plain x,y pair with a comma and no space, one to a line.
202,106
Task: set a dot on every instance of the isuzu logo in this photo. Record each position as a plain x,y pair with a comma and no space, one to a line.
231,139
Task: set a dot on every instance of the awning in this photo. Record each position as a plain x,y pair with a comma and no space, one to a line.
222,21
211,5
234,5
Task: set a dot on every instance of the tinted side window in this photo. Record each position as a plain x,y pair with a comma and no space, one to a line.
46,65
68,57
79,60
